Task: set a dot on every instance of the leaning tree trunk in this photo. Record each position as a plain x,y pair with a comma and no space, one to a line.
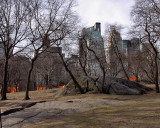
101,65
5,82
71,74
155,60
28,81
156,73
118,54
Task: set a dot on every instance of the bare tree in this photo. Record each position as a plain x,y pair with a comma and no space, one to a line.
13,31
147,63
47,28
115,56
92,56
68,42
135,65
146,17
17,71
68,69
49,68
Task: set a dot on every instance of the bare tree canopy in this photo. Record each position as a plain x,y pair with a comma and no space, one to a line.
52,22
146,17
13,31
31,27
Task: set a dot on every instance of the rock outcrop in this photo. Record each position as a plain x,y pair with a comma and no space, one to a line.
112,86
123,87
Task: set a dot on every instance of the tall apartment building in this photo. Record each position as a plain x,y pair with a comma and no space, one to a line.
120,53
114,45
131,46
92,44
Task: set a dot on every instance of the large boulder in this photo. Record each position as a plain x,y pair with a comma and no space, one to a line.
118,88
124,87
87,84
112,86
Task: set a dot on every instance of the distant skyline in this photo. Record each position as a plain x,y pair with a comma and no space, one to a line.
105,11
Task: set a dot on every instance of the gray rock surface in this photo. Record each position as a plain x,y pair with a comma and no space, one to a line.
112,86
51,110
123,87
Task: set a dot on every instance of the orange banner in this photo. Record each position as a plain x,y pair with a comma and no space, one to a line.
133,79
44,88
41,88
12,89
63,86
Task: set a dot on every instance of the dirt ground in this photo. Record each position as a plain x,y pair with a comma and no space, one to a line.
130,111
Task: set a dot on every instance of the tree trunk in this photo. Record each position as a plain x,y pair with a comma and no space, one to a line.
118,54
28,81
124,69
0,119
156,73
104,78
5,82
83,67
101,66
155,59
71,75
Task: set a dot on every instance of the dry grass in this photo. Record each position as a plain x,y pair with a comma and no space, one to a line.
18,97
137,111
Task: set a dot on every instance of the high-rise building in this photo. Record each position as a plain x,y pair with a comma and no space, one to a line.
91,45
130,46
125,45
114,45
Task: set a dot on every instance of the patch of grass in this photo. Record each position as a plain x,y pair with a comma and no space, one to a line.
137,111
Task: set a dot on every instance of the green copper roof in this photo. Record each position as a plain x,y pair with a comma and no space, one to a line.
96,33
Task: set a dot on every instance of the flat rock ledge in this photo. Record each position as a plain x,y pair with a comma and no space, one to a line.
50,110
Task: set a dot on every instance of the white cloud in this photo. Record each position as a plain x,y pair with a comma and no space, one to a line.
105,11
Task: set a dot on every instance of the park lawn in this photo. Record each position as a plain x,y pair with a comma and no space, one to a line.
136,112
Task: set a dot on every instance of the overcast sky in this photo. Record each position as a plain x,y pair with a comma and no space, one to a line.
105,11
